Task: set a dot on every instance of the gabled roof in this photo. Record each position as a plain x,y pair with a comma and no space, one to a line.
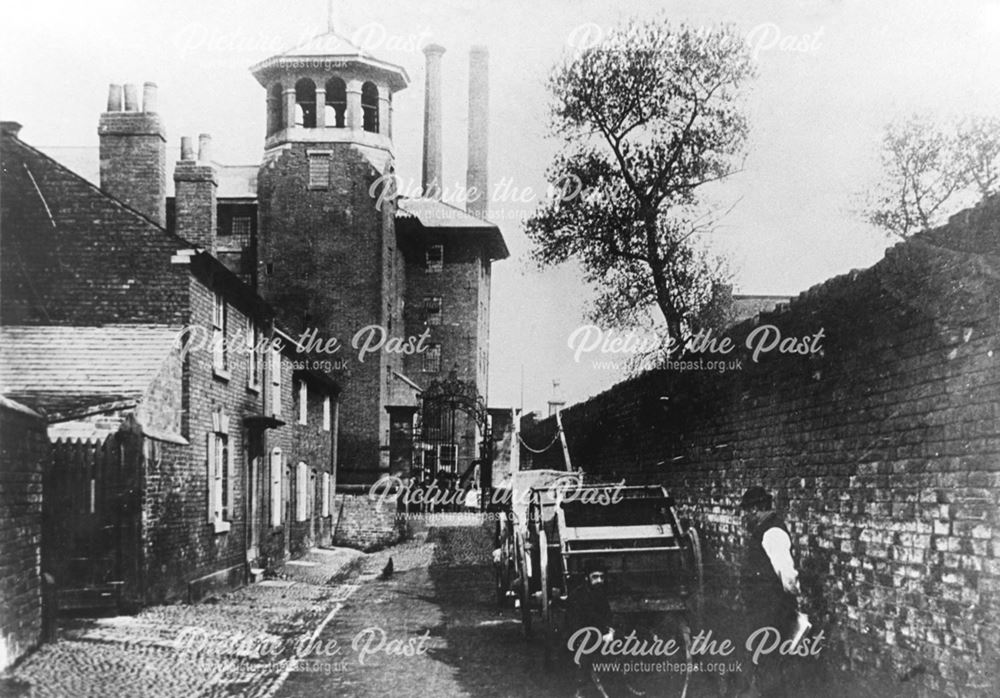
333,50
72,253
439,216
235,181
59,368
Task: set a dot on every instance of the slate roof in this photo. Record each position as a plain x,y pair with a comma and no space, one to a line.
437,215
73,254
59,368
235,181
333,47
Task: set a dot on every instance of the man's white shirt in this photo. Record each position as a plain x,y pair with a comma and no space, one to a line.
778,547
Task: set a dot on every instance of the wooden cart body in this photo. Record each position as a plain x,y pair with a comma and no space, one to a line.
652,556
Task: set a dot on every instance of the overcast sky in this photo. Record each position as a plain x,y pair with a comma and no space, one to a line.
815,115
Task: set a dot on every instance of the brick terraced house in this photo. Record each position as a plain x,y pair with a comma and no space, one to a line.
175,417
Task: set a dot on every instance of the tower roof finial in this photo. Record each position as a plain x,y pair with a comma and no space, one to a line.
329,16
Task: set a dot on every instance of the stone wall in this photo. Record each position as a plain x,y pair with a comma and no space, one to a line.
883,449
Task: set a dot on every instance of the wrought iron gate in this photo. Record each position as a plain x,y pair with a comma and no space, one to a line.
451,420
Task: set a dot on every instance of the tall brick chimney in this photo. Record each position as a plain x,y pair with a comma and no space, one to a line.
195,185
133,151
431,181
477,174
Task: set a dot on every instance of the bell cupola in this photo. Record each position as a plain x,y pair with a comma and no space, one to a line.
329,90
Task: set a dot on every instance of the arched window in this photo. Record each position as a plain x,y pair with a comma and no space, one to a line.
336,102
305,103
369,107
275,112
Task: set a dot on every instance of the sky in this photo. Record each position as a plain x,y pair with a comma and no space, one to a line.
830,75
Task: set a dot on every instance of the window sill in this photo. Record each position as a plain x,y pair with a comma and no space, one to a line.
221,526
255,389
221,374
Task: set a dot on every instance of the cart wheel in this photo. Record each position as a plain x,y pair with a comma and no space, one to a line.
686,635
524,574
503,576
697,573
543,575
543,572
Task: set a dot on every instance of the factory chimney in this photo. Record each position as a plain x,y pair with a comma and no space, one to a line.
431,181
477,174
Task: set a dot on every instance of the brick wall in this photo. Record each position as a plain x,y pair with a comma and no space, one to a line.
23,450
312,445
181,546
133,156
309,444
883,450
366,524
462,333
321,255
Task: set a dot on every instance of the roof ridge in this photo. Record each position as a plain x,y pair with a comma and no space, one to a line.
451,206
97,190
361,51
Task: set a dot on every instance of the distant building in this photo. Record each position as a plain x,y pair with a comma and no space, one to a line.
748,306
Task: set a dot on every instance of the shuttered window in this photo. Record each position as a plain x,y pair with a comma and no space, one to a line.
319,169
277,515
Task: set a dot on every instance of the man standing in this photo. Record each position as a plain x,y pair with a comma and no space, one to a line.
588,608
769,583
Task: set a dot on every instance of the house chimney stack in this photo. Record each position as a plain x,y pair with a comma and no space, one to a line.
133,151
431,181
477,174
195,190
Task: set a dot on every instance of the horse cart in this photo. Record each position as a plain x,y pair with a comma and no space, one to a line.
556,524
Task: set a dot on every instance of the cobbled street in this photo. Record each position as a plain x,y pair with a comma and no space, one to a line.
430,628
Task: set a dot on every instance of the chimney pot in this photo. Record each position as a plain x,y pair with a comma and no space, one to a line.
131,97
149,97
187,148
114,97
204,148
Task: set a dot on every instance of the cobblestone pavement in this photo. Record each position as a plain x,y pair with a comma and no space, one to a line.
205,649
433,629
333,625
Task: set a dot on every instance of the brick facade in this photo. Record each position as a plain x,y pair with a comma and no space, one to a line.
462,331
133,161
360,522
326,261
24,449
882,449
77,257
310,444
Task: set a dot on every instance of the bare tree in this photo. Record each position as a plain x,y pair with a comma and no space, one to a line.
648,116
930,170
